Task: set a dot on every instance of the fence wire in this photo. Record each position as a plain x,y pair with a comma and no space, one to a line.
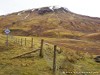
49,56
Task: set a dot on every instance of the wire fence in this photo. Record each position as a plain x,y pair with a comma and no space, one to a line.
53,54
46,50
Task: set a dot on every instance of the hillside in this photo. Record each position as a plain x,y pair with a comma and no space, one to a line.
77,40
49,21
67,60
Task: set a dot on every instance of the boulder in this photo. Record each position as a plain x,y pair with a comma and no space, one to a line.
97,59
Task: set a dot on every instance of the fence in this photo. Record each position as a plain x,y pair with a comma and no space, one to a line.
24,42
42,51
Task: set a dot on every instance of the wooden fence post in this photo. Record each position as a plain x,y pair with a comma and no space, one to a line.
18,41
7,40
41,49
21,42
54,59
32,43
25,41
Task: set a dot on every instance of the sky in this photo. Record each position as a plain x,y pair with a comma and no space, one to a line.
84,7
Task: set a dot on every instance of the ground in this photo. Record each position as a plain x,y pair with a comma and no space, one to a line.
71,56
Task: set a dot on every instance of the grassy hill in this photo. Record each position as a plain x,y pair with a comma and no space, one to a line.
68,60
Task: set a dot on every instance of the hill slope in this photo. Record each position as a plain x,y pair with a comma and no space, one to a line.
31,64
49,21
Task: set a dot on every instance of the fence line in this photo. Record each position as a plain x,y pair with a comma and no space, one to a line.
24,41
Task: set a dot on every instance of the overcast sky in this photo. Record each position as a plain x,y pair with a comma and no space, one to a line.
85,7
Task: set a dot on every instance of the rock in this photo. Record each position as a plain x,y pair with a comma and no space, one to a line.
97,59
44,10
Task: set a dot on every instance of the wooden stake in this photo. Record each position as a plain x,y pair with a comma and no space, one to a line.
18,41
21,42
25,41
32,43
54,59
7,40
41,49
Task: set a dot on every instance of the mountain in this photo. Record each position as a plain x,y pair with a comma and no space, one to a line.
50,21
